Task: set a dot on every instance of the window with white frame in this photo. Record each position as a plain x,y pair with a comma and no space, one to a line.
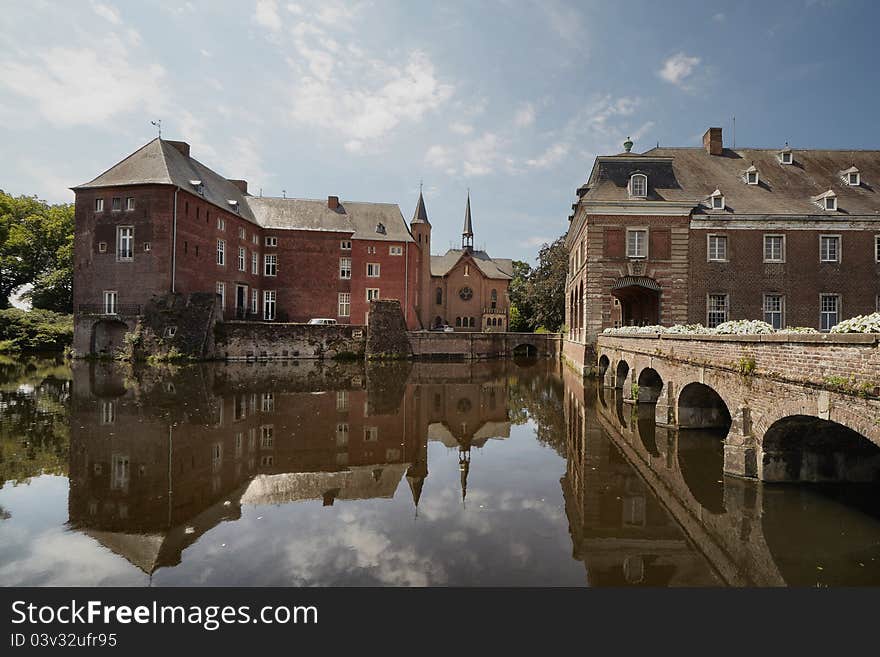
829,248
271,241
395,250
148,247
774,248
717,248
242,234
221,290
341,434
269,304
774,310
371,434
829,311
854,179
267,436
221,223
110,297
129,203
345,245
255,301
255,239
116,204
372,293
373,270
344,304
221,252
345,268
831,203
717,201
638,185
255,262
242,259
99,205
785,157
636,243
752,176
716,310
342,400
267,402
270,264
371,250
125,243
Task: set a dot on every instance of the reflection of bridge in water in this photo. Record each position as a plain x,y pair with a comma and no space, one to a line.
157,462
752,534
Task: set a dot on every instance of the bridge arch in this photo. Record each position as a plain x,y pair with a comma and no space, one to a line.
650,385
604,364
701,407
108,336
525,350
808,448
620,373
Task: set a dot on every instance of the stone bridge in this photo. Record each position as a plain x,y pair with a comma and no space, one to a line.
477,346
794,408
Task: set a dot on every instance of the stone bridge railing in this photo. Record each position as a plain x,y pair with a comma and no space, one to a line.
478,346
759,384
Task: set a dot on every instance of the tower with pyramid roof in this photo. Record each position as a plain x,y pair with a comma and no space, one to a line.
421,231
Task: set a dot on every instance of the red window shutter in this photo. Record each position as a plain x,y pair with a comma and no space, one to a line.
614,243
660,244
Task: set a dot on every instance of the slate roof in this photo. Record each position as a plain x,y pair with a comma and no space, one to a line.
468,229
691,175
159,162
420,216
498,268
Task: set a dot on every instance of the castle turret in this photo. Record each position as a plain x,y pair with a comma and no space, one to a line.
421,231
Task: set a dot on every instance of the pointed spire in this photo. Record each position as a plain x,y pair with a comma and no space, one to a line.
420,216
464,466
467,233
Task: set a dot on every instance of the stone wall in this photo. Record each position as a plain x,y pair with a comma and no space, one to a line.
435,345
273,340
386,335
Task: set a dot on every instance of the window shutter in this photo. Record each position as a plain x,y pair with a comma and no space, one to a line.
614,246
660,244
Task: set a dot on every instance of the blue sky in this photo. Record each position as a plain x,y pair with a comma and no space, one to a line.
364,99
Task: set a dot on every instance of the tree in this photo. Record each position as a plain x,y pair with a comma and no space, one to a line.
36,247
520,306
547,285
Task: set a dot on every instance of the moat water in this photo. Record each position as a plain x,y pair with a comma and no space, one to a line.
496,473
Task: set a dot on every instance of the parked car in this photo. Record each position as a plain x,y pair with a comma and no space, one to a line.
448,329
322,320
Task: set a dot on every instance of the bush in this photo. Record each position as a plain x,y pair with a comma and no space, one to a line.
35,330
859,324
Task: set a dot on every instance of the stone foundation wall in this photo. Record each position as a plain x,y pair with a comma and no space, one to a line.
275,341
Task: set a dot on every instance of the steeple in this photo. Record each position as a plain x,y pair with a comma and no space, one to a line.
464,466
467,233
420,216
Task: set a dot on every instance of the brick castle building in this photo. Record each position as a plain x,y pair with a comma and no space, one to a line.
162,222
706,235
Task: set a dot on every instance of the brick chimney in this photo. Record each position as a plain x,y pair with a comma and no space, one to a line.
182,146
333,202
712,141
241,184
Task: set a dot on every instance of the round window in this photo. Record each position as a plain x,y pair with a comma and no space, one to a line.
466,293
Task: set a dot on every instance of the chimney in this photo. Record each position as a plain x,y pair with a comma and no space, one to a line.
182,146
333,202
712,141
241,184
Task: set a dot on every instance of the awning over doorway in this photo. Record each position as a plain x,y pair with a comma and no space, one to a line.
639,281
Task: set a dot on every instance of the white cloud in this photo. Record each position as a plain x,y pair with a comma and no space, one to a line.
525,115
553,155
460,128
106,12
678,68
481,156
266,14
536,240
438,156
84,85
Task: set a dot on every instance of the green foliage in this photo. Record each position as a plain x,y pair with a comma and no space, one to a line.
539,294
517,322
36,247
634,390
746,365
851,386
34,330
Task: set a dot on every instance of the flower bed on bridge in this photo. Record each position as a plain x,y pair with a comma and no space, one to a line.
735,327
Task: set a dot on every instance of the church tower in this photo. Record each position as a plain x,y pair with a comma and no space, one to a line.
421,232
467,233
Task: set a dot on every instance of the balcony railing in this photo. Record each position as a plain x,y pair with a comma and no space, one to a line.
127,309
494,311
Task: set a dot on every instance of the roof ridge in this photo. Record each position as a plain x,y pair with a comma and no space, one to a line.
128,157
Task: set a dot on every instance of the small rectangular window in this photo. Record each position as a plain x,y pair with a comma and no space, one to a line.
269,305
242,234
242,259
221,252
829,311
147,247
99,205
786,158
221,290
270,264
373,269
271,241
345,268
830,203
829,248
853,179
717,310
221,223
774,310
102,247
344,304
125,243
395,250
116,204
129,203
255,301
110,302
717,248
345,245
774,248
255,262
636,243
753,178
372,293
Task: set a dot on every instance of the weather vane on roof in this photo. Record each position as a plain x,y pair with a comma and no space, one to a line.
158,125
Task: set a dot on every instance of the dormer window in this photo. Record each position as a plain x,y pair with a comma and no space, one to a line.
752,175
380,228
785,156
233,204
851,177
638,185
198,186
716,200
826,201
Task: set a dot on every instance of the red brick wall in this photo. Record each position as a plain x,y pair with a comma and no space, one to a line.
453,306
398,278
746,277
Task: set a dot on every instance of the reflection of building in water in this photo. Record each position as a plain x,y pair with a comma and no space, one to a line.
155,464
618,528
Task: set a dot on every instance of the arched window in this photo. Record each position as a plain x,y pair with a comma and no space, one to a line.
638,185
439,295
473,323
494,297
458,321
